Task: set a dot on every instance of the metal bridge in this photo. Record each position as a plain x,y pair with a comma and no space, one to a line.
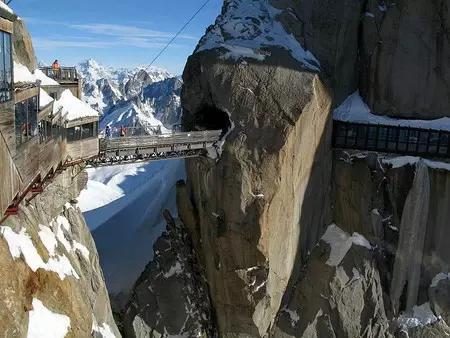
135,148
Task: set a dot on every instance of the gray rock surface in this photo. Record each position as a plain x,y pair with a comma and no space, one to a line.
439,295
343,300
408,260
405,58
171,296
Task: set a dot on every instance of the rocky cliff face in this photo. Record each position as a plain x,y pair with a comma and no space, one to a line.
171,296
268,73
256,217
405,69
23,50
50,269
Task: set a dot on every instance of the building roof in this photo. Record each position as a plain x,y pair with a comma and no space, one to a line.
72,108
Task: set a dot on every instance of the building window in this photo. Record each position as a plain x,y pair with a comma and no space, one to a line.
26,120
6,84
45,131
82,132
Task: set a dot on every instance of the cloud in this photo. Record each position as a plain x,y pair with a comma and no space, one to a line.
74,43
112,29
77,42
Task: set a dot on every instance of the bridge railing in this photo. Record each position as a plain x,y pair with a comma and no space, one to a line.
117,132
391,139
61,74
175,138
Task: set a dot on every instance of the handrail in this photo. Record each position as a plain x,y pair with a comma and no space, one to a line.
61,73
159,140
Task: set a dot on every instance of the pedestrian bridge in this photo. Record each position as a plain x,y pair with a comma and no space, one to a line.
135,148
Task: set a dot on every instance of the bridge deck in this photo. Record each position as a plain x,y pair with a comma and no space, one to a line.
155,147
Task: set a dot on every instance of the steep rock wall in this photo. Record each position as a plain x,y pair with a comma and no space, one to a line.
256,200
386,200
405,65
47,255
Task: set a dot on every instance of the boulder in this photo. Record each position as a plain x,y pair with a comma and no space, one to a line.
339,293
439,295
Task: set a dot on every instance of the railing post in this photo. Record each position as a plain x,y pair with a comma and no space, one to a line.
439,142
428,141
407,140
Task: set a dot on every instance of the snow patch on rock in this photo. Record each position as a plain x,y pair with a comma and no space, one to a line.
20,244
354,109
45,323
419,316
246,29
439,277
341,242
401,161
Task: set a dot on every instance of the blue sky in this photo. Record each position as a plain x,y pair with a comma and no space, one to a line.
119,33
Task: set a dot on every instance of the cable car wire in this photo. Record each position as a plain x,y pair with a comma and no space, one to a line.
178,33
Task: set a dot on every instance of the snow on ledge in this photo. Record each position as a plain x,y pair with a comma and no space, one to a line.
44,99
354,109
340,242
247,27
45,323
6,8
23,75
401,161
419,316
439,277
72,108
20,244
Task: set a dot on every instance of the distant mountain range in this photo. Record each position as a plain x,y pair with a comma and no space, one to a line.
138,97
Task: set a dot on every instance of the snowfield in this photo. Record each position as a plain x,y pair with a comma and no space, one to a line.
123,207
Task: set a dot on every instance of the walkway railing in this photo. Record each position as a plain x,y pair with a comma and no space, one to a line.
61,74
117,132
391,139
127,149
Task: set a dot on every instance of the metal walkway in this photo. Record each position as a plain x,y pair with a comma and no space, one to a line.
392,139
129,149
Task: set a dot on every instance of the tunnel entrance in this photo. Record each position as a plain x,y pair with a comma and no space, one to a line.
209,117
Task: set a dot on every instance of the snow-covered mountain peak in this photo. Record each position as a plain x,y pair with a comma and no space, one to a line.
138,97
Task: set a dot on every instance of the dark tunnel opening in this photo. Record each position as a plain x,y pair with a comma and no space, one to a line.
209,117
